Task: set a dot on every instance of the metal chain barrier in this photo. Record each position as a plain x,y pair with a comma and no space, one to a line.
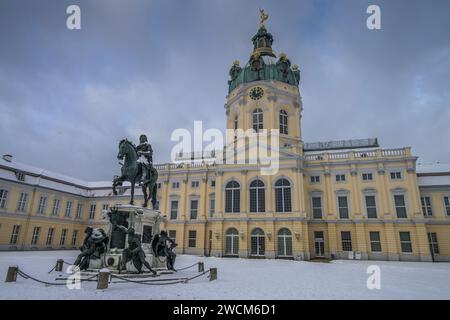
27,276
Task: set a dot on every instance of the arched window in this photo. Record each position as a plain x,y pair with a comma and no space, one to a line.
258,246
258,120
283,196
236,122
284,243
283,122
232,197
232,242
257,196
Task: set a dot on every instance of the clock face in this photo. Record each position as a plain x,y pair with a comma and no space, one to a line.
256,93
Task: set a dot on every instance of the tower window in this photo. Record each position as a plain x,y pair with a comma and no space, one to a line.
258,120
283,122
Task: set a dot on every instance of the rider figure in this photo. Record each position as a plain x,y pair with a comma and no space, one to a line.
145,153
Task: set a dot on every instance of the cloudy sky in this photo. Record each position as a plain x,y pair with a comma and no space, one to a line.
68,96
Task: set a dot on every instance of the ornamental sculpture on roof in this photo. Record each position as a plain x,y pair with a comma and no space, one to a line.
262,18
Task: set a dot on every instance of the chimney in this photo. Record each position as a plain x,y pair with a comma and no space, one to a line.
7,157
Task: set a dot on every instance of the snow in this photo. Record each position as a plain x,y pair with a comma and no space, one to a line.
241,279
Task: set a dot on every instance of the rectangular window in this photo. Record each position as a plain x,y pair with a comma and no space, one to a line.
426,206
447,205
173,209
3,197
400,206
42,204
194,209
213,183
62,240
212,205
68,212
432,240
396,175
405,242
346,238
74,237
343,207
175,185
173,235
371,207
375,242
317,207
50,233
158,185
22,203
192,238
55,209
340,178
35,236
195,184
15,234
105,207
92,211
367,176
314,179
79,211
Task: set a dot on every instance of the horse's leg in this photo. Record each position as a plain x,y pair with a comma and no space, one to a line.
153,192
144,191
132,191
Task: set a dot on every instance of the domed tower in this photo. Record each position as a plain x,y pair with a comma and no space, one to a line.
264,93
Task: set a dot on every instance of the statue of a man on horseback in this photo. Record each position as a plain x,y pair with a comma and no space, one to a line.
138,169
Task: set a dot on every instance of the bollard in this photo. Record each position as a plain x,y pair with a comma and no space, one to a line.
212,274
201,267
102,279
11,276
59,265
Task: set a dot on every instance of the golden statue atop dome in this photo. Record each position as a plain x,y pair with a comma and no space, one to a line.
262,17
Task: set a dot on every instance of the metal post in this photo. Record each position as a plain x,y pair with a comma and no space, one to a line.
59,265
102,279
212,274
11,276
201,267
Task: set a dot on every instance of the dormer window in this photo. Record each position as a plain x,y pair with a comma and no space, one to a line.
20,175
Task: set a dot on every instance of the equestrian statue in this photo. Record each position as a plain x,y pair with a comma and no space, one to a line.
137,168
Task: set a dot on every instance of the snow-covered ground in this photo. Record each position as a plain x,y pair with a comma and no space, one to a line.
241,279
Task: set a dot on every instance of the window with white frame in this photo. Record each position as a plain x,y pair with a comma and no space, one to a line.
343,207
173,209
62,240
92,211
232,197
35,236
283,195
195,184
175,185
283,122
232,242
346,239
314,179
14,234
367,176
400,205
258,120
284,239
257,196
79,211
194,209
192,238
3,198
22,202
396,175
68,211
375,241
426,206
316,202
55,209
447,205
432,240
405,242
42,204
212,204
371,206
257,242
340,178
50,233
74,237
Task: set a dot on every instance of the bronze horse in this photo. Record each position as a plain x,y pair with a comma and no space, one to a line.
132,171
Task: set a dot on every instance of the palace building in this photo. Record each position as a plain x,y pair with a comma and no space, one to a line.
343,199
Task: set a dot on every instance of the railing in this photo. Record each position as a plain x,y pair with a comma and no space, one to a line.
374,153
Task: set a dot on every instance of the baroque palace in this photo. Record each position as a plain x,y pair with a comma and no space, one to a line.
348,199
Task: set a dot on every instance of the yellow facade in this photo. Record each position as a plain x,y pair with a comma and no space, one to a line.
354,203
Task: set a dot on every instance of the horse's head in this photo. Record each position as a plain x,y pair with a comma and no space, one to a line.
125,147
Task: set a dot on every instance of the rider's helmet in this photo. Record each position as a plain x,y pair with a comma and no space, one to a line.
143,138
